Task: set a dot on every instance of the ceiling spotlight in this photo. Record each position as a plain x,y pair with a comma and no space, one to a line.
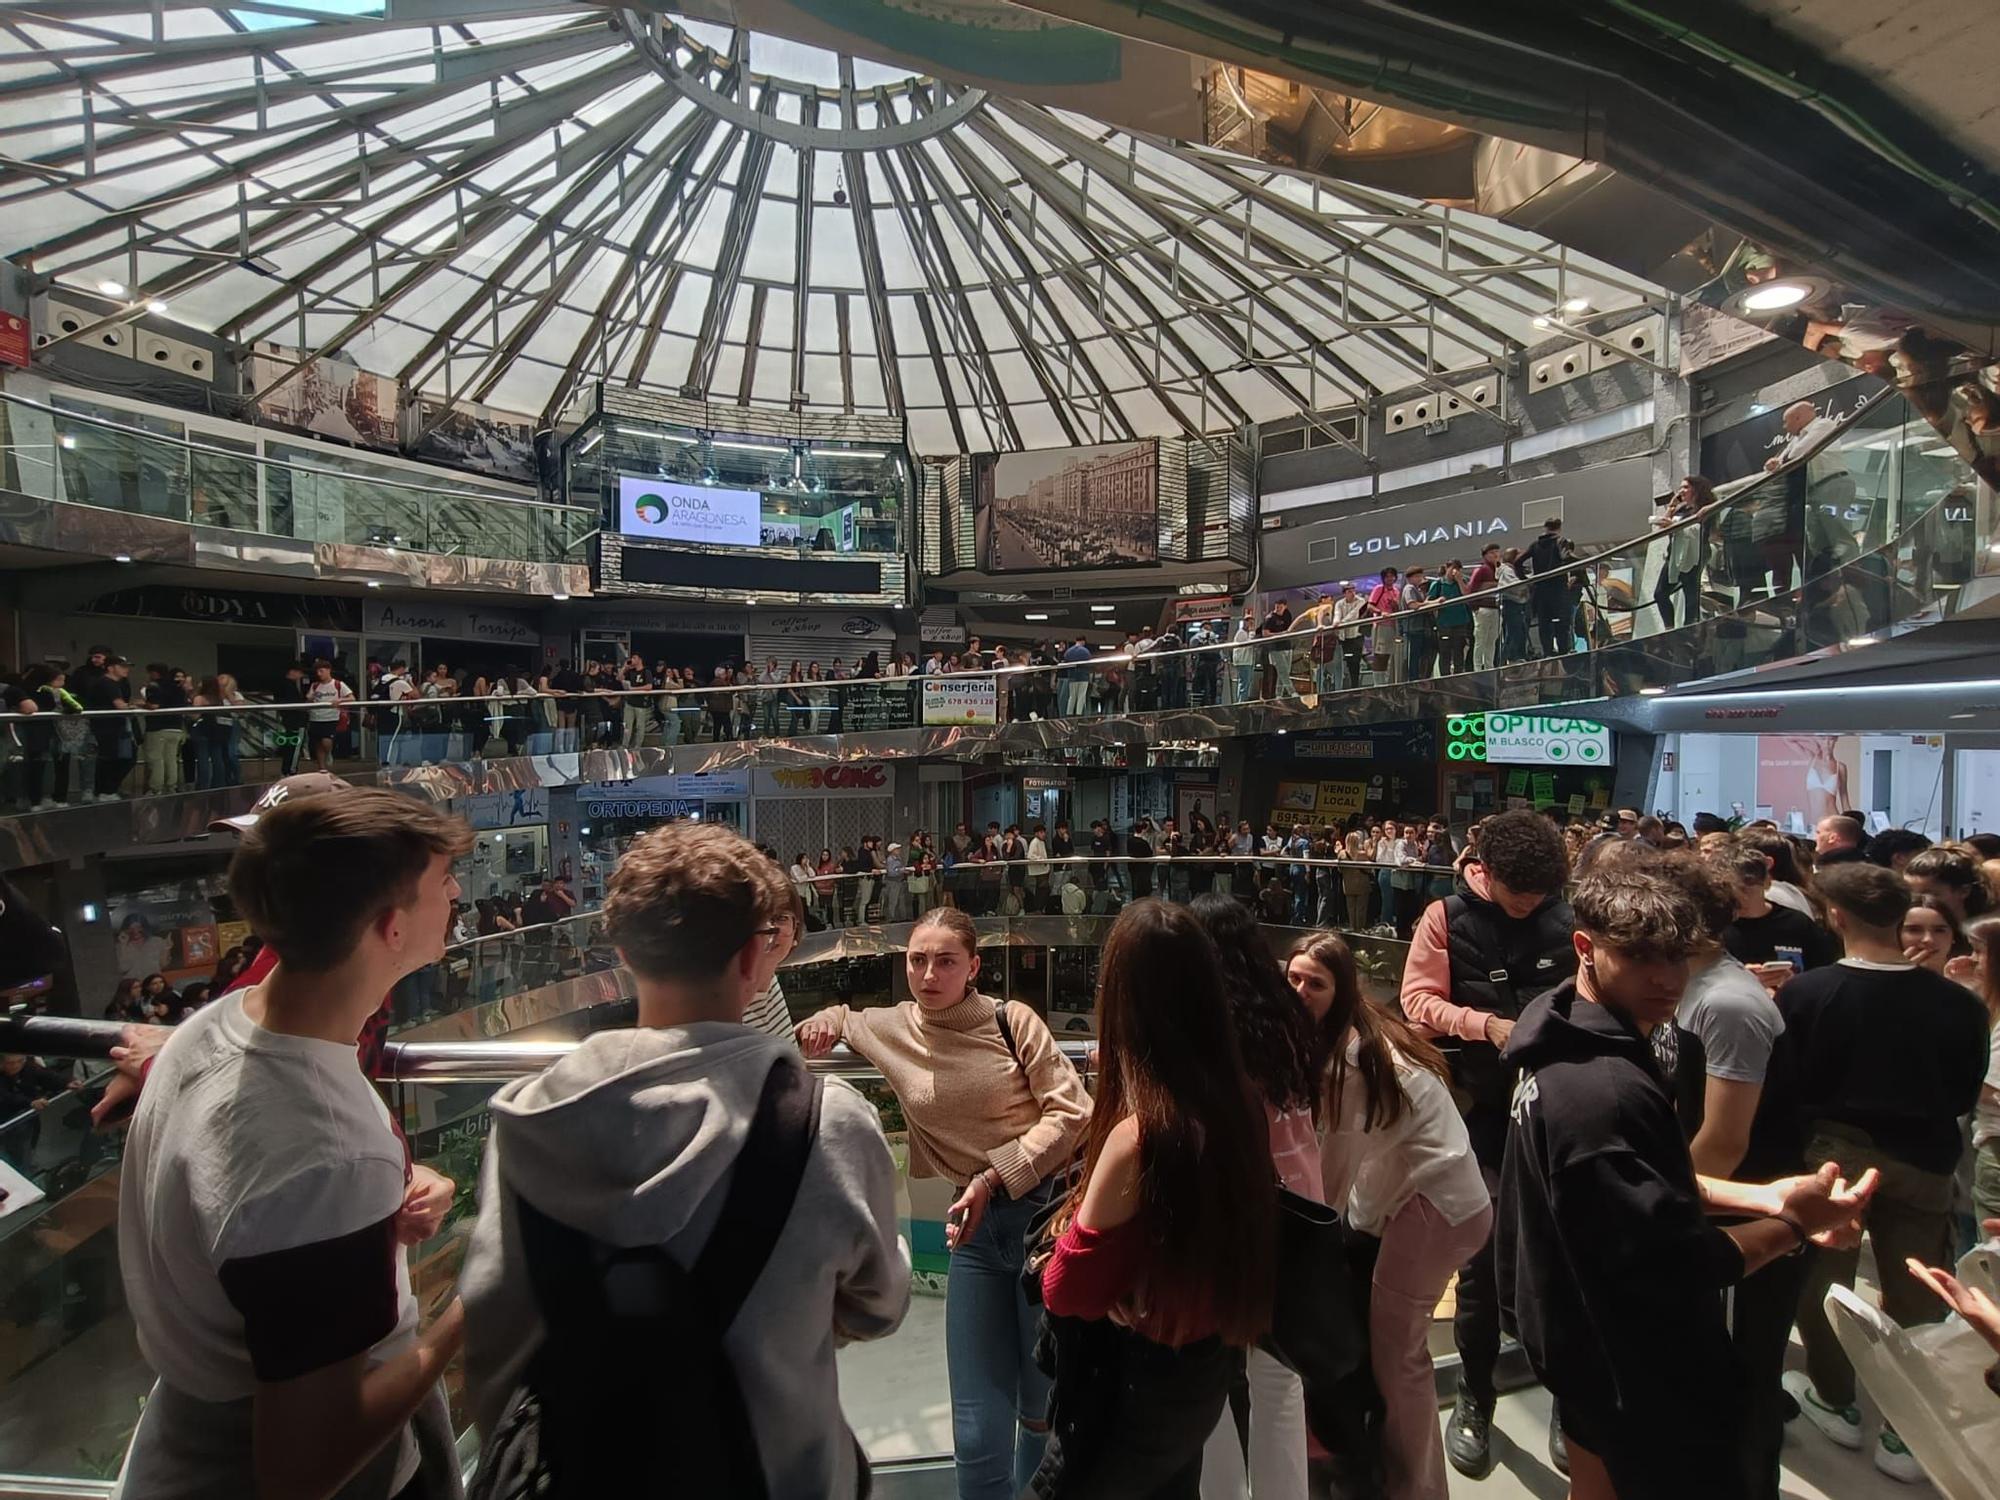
560,598
156,307
1577,305
374,583
123,557
112,288
1776,296
1541,322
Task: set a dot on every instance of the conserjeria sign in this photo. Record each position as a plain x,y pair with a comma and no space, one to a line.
971,699
668,512
1527,740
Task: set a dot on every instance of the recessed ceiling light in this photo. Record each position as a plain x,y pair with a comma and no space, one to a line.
156,307
1541,322
1034,617
1577,305
1775,297
123,557
112,288
1965,716
70,442
1651,692
1105,609
374,583
1861,640
560,598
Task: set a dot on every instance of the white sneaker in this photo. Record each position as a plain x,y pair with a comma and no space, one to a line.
1896,1460
1838,1424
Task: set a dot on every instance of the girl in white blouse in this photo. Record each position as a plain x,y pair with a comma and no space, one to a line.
1395,1156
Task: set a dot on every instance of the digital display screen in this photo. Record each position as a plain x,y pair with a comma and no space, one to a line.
662,510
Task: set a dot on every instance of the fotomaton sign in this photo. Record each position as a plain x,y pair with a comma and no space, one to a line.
1527,740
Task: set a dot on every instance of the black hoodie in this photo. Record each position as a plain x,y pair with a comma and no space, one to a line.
1609,1272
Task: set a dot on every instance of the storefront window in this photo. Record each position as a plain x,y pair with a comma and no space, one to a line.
1893,780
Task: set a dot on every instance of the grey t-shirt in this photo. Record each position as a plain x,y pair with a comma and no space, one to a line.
1735,1017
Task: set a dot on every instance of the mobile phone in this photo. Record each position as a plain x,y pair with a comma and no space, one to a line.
1796,957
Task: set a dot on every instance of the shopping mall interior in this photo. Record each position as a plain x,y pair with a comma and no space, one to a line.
1236,448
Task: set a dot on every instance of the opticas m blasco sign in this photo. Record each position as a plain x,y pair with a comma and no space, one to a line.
667,512
1527,740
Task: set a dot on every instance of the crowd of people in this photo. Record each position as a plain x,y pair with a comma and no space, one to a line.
1606,1098
143,740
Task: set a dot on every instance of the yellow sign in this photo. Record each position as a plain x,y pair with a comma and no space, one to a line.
1341,799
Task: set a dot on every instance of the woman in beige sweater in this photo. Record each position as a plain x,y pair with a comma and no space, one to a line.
996,1112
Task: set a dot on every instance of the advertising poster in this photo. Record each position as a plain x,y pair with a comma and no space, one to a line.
1094,507
970,699
329,396
1296,797
479,437
663,511
1802,778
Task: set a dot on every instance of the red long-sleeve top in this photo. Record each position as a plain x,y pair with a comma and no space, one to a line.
1095,1270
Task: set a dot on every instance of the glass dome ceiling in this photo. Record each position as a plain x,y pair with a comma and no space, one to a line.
502,204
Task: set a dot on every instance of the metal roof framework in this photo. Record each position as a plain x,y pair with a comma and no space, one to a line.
502,205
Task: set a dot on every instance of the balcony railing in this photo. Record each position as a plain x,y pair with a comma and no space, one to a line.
1772,571
54,453
68,1406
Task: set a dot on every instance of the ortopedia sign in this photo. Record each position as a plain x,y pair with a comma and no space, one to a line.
973,699
1527,740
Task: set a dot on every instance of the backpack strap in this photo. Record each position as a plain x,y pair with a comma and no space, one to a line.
581,1281
762,1187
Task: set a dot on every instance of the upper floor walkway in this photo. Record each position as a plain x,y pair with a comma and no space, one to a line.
1873,529
108,484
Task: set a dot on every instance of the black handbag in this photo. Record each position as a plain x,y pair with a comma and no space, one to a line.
1319,1325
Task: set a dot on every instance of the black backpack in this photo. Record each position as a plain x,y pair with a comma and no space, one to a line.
631,1391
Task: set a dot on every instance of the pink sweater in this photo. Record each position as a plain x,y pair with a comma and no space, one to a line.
1427,976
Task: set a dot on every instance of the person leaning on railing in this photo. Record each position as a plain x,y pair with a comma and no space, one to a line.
994,1108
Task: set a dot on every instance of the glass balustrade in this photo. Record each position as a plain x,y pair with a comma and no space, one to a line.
128,465
72,1381
510,981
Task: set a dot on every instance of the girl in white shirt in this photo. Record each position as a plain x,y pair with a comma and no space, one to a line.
1394,1154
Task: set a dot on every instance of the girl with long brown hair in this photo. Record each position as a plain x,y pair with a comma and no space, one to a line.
995,1108
1167,1249
1396,1158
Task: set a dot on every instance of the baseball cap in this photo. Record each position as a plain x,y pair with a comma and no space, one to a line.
305,784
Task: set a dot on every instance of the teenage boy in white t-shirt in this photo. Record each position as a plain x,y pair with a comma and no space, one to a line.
259,1202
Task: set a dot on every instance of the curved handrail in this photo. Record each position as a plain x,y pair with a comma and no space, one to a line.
1303,630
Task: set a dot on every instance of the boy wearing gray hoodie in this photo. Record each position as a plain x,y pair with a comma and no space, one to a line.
632,1140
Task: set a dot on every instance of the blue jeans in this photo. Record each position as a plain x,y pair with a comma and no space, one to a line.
989,1352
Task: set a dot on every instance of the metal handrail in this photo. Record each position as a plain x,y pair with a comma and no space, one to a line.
402,1062
280,463
1301,633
